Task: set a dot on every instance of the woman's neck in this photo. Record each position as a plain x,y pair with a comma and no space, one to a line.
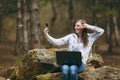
79,35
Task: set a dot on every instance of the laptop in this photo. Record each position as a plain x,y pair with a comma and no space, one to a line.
68,57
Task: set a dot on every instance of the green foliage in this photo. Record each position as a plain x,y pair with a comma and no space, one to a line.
112,11
43,2
18,62
10,7
97,8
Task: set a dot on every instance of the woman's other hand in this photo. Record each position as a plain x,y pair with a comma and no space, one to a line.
85,25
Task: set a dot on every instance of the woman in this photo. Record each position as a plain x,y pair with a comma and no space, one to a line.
80,41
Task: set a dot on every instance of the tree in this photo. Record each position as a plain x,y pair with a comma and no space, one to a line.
25,28
112,14
70,9
110,40
18,27
2,6
110,22
53,19
0,29
115,14
34,24
7,7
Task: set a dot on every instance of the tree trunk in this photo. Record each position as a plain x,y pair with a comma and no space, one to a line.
34,24
54,13
94,13
19,25
25,30
110,40
70,15
95,20
70,9
0,30
107,30
2,7
116,31
110,19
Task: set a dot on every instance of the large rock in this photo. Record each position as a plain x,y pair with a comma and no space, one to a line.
2,78
40,64
103,73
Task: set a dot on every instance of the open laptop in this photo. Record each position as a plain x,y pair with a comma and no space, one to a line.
68,57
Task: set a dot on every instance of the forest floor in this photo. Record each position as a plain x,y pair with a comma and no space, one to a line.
8,59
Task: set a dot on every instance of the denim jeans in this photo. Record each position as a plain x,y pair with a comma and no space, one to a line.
71,72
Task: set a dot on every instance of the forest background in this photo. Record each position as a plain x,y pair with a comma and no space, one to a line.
22,23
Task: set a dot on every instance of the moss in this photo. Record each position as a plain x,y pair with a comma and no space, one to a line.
44,77
49,76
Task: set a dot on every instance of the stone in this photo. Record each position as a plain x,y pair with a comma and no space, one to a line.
40,64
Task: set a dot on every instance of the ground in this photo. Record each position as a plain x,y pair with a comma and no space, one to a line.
6,55
8,59
111,60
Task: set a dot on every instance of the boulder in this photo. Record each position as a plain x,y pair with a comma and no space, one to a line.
103,73
40,64
2,78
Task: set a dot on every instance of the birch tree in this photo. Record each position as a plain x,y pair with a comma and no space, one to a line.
18,27
25,28
34,24
117,43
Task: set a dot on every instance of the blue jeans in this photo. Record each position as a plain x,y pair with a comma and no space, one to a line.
71,72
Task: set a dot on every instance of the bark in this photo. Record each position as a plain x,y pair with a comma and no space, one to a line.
18,27
110,35
54,14
25,29
95,20
0,30
2,7
110,19
34,24
70,9
108,30
116,32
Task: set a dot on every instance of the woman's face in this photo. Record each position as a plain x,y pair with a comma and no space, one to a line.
78,27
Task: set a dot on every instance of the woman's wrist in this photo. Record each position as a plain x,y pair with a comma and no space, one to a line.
46,34
89,26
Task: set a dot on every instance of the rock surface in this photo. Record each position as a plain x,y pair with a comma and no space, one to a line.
40,64
103,73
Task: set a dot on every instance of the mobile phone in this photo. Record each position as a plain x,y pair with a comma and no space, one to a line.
47,27
46,24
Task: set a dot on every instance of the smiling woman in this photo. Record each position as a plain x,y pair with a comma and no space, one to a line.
79,41
81,31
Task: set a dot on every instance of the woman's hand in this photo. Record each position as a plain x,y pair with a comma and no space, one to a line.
85,25
46,30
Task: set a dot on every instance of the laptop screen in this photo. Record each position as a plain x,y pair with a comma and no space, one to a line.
68,57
